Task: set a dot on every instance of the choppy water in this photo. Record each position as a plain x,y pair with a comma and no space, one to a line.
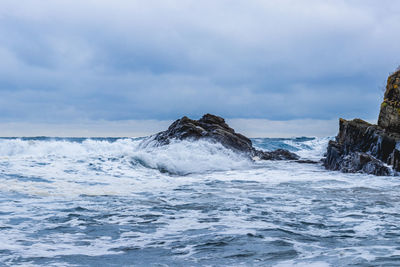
114,202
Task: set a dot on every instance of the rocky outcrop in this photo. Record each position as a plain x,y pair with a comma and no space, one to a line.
369,148
215,129
389,116
363,147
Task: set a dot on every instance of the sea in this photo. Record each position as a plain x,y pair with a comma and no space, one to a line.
128,202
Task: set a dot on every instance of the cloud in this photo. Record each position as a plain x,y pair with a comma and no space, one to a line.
138,128
100,128
69,61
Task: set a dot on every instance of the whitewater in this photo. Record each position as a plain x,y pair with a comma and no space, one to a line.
126,202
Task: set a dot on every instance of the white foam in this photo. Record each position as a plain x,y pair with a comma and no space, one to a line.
184,157
312,149
285,192
110,168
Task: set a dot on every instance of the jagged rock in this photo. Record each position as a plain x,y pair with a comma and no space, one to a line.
363,162
369,148
214,128
389,116
363,147
208,127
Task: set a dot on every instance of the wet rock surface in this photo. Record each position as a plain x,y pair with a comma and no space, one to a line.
369,148
215,129
362,147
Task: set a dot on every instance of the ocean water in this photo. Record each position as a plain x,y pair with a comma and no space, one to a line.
122,202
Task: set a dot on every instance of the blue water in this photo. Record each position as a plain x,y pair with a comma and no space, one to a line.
117,202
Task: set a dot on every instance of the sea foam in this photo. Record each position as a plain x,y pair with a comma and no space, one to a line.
74,202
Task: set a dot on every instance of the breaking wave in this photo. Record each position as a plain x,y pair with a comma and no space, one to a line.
180,158
117,202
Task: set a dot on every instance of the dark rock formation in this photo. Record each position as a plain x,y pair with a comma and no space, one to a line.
368,148
214,129
362,147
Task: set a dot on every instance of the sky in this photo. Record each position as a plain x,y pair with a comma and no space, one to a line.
271,67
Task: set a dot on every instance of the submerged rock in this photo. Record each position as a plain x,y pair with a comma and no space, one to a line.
215,129
279,154
369,148
308,161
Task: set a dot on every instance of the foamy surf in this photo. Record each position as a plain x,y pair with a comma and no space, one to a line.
116,202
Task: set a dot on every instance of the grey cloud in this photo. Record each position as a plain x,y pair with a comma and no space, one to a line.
121,60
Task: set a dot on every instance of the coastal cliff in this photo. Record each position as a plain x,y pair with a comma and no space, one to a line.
369,148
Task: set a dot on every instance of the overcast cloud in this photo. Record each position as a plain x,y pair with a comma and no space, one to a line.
69,61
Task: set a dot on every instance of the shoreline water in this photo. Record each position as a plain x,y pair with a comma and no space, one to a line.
96,202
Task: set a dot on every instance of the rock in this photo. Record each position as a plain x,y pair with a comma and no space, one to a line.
389,116
279,154
363,147
215,129
208,127
362,162
369,148
307,161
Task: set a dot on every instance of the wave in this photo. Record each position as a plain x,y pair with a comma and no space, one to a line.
69,200
177,158
185,157
306,147
314,148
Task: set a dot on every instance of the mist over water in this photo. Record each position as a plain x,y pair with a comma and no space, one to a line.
115,201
